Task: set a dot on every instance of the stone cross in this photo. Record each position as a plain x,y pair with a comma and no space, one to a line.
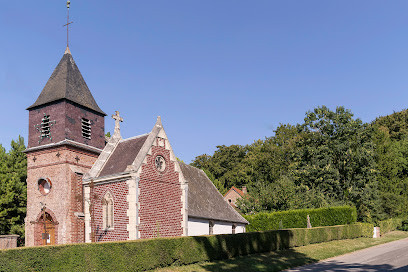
117,119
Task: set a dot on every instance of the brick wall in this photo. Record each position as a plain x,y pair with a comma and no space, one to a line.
233,195
68,124
119,191
59,166
160,198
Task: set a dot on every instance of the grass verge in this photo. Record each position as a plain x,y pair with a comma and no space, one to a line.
279,260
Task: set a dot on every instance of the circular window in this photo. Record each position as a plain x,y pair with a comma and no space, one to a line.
160,163
44,185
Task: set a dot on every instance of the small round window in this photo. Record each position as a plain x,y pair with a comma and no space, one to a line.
44,185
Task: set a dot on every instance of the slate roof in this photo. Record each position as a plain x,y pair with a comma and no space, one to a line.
123,155
66,82
204,200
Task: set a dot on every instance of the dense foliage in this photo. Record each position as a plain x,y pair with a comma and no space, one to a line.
390,225
298,218
13,188
141,255
328,160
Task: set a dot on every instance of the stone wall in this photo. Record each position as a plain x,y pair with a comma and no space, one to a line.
8,241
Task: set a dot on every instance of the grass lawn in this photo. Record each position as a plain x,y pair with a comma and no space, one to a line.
279,260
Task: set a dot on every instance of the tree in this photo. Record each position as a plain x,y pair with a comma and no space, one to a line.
13,188
225,166
335,156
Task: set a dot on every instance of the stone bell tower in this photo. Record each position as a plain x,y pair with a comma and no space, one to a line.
66,135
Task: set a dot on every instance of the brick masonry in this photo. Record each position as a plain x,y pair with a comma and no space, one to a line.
64,166
60,166
119,191
68,117
160,203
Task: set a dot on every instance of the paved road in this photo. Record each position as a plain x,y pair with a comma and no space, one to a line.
392,256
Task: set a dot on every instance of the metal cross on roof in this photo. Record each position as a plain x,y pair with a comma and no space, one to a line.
117,119
68,22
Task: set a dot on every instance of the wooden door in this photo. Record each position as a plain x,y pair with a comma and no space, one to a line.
50,230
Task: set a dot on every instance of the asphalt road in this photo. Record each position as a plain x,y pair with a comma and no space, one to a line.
391,256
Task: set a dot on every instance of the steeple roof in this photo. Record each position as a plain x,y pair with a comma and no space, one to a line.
66,82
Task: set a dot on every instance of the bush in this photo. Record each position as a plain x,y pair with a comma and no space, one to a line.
404,225
389,225
298,218
142,255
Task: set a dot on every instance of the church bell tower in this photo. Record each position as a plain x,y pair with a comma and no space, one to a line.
66,135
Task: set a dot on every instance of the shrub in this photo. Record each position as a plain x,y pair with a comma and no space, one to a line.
298,218
389,225
142,255
404,225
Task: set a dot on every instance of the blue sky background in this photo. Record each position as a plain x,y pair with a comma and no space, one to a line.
218,72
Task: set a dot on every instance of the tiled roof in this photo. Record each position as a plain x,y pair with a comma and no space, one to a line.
123,155
204,200
66,82
241,193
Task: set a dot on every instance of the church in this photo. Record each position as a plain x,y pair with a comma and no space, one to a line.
85,187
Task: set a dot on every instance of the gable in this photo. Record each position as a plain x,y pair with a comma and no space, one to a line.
234,192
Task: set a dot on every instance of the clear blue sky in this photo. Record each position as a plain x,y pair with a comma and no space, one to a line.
218,72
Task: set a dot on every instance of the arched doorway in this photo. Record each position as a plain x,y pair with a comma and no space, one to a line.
46,229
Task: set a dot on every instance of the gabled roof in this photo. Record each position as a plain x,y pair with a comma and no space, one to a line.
123,155
66,82
241,193
204,200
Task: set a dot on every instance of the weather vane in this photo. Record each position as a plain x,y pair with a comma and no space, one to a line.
68,22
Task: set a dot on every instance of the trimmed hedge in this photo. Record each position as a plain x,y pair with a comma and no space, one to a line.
341,215
142,255
389,225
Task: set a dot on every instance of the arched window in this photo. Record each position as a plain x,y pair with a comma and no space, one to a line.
107,204
234,226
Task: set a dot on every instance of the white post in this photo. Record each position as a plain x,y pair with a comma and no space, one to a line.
376,233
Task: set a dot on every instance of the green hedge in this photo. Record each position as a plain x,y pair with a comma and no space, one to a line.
149,254
389,225
341,215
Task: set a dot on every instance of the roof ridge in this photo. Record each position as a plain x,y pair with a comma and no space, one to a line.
134,137
238,190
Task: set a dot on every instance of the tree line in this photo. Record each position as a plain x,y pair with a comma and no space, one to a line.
330,159
13,188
